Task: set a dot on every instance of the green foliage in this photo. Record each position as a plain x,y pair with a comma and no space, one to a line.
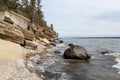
43,23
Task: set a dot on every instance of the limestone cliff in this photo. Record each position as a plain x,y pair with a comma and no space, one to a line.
12,30
18,43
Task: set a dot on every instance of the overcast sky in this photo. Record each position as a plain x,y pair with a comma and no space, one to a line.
83,17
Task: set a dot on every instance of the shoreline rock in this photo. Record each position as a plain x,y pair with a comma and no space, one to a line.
13,64
11,33
15,59
106,51
20,42
76,52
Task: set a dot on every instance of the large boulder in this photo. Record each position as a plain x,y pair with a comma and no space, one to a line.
11,33
29,35
76,52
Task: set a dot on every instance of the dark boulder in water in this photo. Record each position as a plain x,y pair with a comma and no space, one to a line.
76,52
61,41
106,51
57,51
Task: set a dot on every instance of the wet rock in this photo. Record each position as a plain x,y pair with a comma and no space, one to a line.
105,51
61,41
30,45
38,62
29,35
57,51
76,52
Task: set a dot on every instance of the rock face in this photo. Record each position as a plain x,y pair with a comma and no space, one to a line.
29,35
76,52
30,45
18,30
44,32
11,33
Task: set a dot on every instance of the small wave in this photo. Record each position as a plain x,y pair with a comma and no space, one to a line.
64,76
117,59
115,55
60,45
117,65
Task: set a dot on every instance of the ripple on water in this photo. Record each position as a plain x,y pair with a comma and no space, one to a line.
98,68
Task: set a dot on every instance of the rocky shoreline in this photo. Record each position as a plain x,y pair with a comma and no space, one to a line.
14,60
18,45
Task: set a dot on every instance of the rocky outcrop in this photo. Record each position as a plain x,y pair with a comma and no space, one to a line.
7,19
30,45
30,38
18,35
11,33
12,65
29,35
76,52
43,32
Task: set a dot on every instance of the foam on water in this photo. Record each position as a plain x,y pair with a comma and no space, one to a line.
60,45
117,59
117,65
63,76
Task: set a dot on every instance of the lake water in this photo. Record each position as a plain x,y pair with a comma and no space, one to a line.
99,67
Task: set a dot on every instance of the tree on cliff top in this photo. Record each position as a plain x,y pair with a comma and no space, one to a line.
29,8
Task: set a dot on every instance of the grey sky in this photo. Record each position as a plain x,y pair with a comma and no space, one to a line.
83,17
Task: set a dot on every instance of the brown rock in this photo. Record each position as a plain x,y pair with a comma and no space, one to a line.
29,35
44,32
7,19
11,33
30,45
76,52
46,41
39,34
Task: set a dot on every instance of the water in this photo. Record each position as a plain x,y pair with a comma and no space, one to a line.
99,67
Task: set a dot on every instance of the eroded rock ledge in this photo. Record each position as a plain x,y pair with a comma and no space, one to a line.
18,43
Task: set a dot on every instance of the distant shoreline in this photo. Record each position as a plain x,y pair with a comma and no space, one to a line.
90,37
